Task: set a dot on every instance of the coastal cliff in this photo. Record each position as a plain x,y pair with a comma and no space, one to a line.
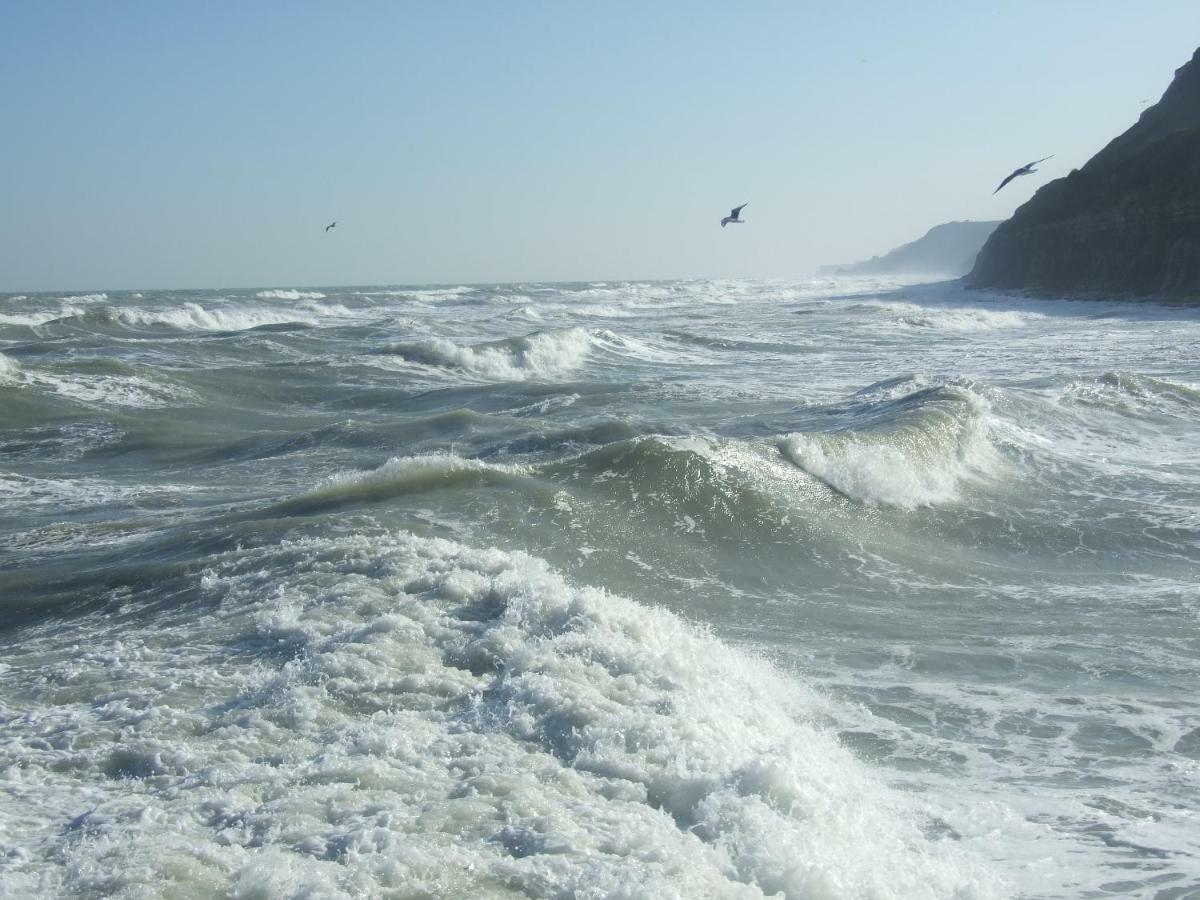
948,249
1127,224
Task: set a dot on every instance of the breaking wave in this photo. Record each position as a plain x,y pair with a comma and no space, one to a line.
35,319
916,450
462,722
1133,394
85,298
194,317
951,318
542,355
290,295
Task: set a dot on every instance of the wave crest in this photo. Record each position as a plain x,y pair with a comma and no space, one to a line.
564,735
290,295
918,450
955,318
543,355
8,368
1134,394
399,475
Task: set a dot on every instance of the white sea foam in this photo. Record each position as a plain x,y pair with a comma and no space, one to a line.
412,713
34,318
458,291
194,317
290,295
421,294
599,310
530,313
111,390
29,493
26,492
85,298
1135,394
905,464
647,350
8,368
544,355
953,318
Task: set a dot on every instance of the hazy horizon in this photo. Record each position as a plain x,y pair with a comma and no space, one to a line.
185,147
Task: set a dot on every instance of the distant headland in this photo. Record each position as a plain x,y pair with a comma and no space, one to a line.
947,250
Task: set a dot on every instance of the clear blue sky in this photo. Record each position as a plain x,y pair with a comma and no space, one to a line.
207,144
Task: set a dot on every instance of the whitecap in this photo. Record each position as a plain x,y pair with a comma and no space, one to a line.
917,459
132,391
290,295
85,298
390,710
543,355
8,368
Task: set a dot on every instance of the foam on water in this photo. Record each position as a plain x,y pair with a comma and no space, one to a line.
530,313
646,350
422,295
85,298
541,355
194,317
948,318
59,442
417,714
1135,394
289,295
36,318
25,493
8,368
920,459
191,316
110,390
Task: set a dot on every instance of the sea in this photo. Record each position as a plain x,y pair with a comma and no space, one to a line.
687,589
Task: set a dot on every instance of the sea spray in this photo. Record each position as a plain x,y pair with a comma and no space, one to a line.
907,457
419,712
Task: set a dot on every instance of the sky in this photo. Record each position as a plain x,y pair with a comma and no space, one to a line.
187,145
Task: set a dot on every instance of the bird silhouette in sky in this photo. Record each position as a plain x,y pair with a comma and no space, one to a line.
1027,169
732,218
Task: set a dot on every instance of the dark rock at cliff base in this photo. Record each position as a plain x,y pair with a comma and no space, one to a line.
1125,225
948,250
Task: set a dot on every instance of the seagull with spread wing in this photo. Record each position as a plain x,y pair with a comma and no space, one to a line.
1027,169
331,225
732,218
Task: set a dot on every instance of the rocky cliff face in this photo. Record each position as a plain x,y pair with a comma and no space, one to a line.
947,249
1125,225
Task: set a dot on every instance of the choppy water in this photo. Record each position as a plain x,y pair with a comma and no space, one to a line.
688,590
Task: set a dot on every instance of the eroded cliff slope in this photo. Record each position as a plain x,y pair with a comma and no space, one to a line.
1126,224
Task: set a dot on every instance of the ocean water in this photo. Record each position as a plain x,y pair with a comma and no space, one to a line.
650,590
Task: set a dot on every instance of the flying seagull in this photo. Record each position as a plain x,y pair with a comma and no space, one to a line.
733,216
1027,169
331,225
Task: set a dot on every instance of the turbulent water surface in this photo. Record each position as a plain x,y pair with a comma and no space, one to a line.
696,589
